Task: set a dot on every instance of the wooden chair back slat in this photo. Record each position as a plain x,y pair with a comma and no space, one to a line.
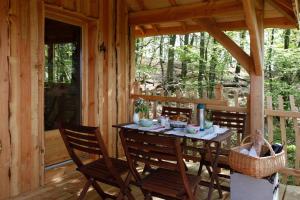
84,129
85,149
81,136
86,143
137,145
167,142
165,165
152,154
172,111
230,120
157,150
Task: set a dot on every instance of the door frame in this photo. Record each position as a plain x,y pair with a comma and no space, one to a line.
87,49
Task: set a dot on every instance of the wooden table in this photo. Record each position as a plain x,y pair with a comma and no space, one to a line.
211,145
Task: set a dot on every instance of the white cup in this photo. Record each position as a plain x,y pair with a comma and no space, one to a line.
163,121
215,127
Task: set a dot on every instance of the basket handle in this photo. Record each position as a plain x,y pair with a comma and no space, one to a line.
266,142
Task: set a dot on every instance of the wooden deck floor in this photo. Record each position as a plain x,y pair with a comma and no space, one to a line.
69,186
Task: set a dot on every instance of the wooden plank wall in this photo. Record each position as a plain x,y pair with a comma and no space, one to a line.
5,145
115,75
20,45
21,81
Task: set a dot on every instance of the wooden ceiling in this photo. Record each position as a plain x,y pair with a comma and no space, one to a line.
158,17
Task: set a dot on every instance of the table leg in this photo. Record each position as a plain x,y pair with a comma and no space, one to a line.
214,164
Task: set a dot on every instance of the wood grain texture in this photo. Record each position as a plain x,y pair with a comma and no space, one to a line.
5,151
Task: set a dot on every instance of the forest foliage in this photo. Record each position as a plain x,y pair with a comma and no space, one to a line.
196,62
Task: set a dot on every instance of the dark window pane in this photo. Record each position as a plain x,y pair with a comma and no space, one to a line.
62,74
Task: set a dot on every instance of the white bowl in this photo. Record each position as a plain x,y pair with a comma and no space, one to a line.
146,122
192,129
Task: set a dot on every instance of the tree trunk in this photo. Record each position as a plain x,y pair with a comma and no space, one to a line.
50,63
238,66
161,61
170,68
269,61
202,64
184,62
287,35
212,70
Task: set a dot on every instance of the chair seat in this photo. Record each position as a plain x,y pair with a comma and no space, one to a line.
99,171
168,183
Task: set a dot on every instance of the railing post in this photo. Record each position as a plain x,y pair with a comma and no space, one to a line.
219,91
297,136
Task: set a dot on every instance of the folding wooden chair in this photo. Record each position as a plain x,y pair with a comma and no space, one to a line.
167,178
105,169
236,122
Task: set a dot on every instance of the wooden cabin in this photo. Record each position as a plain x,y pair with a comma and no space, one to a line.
105,31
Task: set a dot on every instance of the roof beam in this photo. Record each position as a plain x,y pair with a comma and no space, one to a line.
184,12
239,54
255,37
141,4
280,22
289,14
173,2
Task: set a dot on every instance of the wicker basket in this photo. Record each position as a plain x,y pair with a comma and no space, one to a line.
256,167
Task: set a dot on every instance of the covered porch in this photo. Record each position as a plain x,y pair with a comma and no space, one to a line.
33,162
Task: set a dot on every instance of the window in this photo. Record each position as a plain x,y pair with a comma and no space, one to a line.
62,74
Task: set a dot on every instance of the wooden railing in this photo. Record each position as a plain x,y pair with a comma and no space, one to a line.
282,113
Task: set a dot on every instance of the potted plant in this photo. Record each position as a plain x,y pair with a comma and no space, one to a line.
141,107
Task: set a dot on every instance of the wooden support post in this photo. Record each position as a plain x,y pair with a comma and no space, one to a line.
255,25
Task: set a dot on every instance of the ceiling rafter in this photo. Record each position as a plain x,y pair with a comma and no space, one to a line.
141,30
142,6
184,12
283,10
255,37
237,52
224,26
288,5
173,2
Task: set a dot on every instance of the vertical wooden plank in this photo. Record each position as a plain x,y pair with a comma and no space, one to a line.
41,68
297,135
131,55
112,103
37,61
14,101
92,75
103,98
270,120
236,98
178,95
283,132
282,125
219,91
154,107
5,143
